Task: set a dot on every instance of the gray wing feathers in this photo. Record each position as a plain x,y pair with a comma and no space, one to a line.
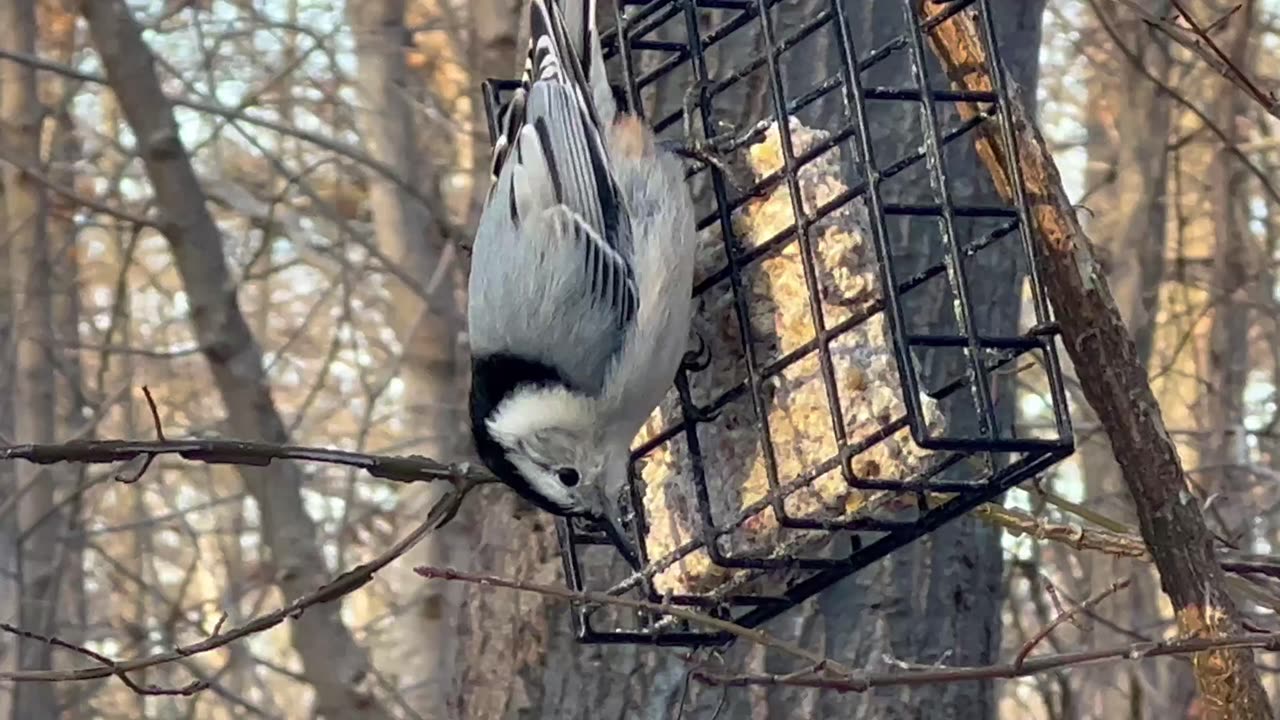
535,299
551,271
560,161
578,170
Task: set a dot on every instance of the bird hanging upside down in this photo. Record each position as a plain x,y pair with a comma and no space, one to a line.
581,280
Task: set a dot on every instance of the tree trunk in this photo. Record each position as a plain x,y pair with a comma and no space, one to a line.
428,329
57,39
335,666
10,585
939,599
29,261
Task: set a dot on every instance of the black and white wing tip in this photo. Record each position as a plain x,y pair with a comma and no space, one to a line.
560,32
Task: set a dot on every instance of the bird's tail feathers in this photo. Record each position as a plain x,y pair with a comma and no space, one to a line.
564,46
582,26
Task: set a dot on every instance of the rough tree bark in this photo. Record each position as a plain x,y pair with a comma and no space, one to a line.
34,395
335,666
938,597
1116,386
428,329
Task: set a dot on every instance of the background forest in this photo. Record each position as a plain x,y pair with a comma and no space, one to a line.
252,208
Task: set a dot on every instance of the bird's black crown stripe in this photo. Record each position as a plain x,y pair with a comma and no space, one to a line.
494,377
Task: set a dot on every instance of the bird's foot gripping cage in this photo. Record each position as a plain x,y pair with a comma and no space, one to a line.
881,356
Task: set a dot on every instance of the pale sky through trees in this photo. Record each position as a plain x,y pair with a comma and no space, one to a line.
341,265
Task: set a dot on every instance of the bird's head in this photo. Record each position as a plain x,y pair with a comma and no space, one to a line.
551,444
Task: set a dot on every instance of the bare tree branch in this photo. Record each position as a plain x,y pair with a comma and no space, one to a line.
597,598
1067,616
347,151
399,468
864,681
338,587
824,673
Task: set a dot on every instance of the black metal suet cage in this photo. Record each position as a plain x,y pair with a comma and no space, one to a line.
718,45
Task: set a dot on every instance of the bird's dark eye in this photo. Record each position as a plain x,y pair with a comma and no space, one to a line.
568,476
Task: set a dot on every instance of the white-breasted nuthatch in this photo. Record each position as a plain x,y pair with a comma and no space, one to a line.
581,279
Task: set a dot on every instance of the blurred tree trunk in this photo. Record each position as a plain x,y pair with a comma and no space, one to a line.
1201,348
1234,264
57,23
131,616
34,394
1127,183
10,585
428,328
495,25
335,666
1266,348
937,600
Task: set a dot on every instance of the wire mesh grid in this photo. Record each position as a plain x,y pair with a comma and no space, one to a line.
977,456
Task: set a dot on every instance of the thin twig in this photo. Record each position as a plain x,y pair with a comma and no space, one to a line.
1051,590
335,589
1018,522
595,598
328,143
1235,73
189,689
77,198
1199,40
155,413
127,475
1063,617
399,468
863,681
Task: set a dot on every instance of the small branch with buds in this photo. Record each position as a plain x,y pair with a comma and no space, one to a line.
340,586
1198,38
134,457
824,673
864,681
398,468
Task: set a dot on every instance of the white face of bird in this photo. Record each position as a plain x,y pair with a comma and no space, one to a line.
558,444
555,440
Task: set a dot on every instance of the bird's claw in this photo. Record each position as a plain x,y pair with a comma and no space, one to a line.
616,533
695,96
701,151
697,147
